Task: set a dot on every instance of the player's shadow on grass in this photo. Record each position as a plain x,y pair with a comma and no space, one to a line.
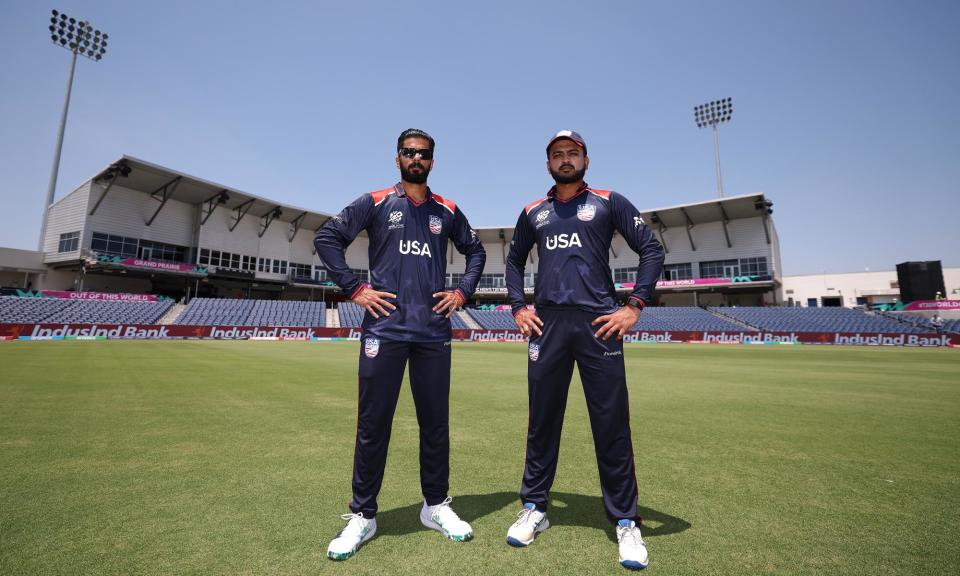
565,510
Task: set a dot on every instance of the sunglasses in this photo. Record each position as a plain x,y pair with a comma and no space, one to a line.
425,153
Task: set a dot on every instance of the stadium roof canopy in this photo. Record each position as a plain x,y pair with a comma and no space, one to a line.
154,179
160,181
719,210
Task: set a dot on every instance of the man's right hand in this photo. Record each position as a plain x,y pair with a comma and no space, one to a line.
373,301
528,322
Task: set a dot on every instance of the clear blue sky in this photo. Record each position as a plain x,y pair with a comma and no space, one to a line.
844,111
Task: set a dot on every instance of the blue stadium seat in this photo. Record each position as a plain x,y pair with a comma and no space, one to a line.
64,311
224,312
815,320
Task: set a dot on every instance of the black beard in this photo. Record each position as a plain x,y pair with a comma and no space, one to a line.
415,177
575,176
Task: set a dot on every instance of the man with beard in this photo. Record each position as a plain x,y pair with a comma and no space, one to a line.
576,315
407,318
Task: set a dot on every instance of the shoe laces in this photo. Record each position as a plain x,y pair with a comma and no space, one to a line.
630,535
527,516
355,523
443,513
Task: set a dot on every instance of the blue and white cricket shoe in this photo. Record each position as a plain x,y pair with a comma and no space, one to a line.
530,522
444,520
349,540
633,550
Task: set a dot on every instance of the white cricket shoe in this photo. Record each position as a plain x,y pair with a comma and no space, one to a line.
349,540
443,519
530,522
633,550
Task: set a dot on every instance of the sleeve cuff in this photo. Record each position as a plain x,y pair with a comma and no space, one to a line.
638,301
462,294
359,289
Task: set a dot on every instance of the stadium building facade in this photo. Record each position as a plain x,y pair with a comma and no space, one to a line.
854,288
138,227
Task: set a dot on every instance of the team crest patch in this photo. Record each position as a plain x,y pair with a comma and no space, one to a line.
534,352
586,212
371,347
436,224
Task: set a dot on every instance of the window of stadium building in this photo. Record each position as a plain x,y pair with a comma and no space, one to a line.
150,250
134,248
226,260
621,275
363,275
272,266
720,269
677,272
300,270
454,279
754,266
69,242
492,281
319,274
114,245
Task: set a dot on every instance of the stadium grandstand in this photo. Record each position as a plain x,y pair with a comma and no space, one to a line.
65,311
142,244
137,227
223,312
814,320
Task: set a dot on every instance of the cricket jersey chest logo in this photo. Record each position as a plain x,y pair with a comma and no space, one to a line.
563,241
543,218
435,225
586,212
415,247
395,220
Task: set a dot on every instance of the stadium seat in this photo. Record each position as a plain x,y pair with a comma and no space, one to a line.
224,312
64,311
815,320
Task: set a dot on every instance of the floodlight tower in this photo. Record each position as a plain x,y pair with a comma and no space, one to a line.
711,114
79,37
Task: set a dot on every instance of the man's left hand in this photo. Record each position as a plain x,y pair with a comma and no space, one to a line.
449,302
617,323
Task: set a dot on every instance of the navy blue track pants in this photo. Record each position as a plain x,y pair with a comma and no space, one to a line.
568,337
382,363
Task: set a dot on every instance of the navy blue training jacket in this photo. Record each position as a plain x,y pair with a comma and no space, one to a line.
573,242
408,257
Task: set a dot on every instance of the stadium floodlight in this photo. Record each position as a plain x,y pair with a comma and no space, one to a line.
79,37
711,114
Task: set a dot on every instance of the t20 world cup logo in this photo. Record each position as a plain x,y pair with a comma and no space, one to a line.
436,224
371,347
534,351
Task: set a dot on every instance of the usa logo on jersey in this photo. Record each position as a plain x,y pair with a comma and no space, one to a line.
534,352
371,347
436,224
586,212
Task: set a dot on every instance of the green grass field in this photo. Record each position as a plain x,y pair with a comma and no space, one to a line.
208,457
